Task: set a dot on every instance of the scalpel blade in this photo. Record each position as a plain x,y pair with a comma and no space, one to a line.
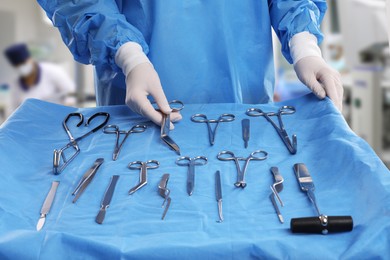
218,194
245,131
47,204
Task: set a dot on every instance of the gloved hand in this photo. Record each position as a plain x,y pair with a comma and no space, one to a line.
313,71
141,81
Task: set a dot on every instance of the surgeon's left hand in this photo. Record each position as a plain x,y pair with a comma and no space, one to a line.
323,80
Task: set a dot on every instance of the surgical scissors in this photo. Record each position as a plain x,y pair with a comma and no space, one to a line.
176,106
202,118
114,129
191,163
284,110
257,155
143,174
73,142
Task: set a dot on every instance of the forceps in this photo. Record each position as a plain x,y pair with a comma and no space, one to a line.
143,173
176,106
229,156
73,142
277,187
202,118
284,110
191,163
114,129
164,192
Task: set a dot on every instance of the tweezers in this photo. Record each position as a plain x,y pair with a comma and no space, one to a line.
86,179
277,187
164,192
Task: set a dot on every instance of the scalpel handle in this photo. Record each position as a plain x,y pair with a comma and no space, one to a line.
245,131
49,198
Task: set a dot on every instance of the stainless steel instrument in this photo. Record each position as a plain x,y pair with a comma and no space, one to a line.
47,204
164,192
229,156
245,131
202,118
276,188
143,173
107,199
218,195
284,110
191,163
87,179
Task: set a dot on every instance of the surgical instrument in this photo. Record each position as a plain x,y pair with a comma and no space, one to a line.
218,195
47,204
245,131
229,156
73,142
106,199
114,129
143,173
191,163
321,224
277,187
202,118
86,179
284,110
164,192
176,106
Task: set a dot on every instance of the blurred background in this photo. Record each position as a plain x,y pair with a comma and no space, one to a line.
356,44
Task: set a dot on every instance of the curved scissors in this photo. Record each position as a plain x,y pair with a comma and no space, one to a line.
284,110
191,163
202,118
114,129
176,106
143,173
257,155
73,142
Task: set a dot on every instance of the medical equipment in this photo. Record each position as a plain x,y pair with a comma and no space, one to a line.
218,195
202,118
164,192
277,187
47,204
245,131
229,156
143,173
321,224
73,142
176,106
87,179
107,199
284,110
114,129
191,163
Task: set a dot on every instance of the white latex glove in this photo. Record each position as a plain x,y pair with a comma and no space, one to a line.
141,81
313,71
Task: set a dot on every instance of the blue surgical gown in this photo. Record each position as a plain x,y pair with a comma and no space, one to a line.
204,51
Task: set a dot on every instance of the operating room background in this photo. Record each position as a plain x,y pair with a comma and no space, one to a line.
355,44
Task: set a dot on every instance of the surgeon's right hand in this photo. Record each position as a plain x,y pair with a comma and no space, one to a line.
142,80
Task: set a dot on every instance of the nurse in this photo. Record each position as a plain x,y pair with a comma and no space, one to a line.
197,51
44,81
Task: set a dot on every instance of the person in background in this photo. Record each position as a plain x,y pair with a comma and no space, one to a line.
201,51
40,80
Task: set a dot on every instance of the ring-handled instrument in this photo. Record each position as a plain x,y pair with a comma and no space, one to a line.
276,188
47,204
164,192
143,172
176,106
114,129
60,160
218,195
106,199
284,110
257,155
245,123
86,179
322,224
191,163
202,118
